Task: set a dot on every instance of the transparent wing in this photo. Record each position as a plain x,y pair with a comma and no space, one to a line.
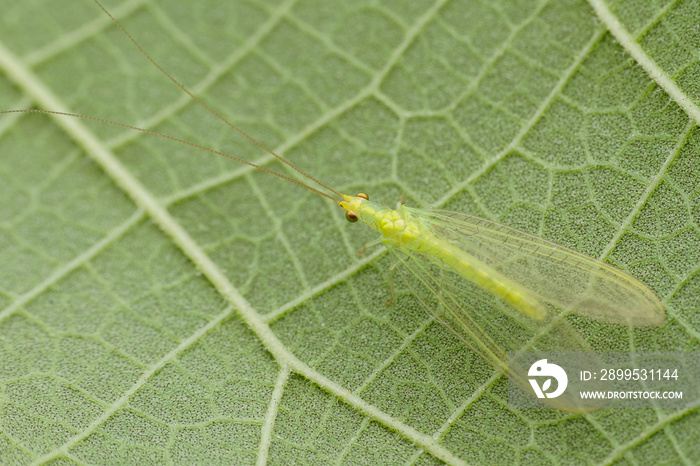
487,325
566,279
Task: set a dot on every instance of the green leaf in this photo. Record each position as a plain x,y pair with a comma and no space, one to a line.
160,303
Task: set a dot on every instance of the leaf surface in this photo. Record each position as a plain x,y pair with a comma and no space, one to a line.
159,303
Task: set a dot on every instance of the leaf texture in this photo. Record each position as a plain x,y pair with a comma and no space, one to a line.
160,304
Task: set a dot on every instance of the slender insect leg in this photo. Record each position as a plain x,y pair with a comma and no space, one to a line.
367,246
391,283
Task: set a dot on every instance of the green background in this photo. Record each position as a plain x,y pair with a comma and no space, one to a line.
159,303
